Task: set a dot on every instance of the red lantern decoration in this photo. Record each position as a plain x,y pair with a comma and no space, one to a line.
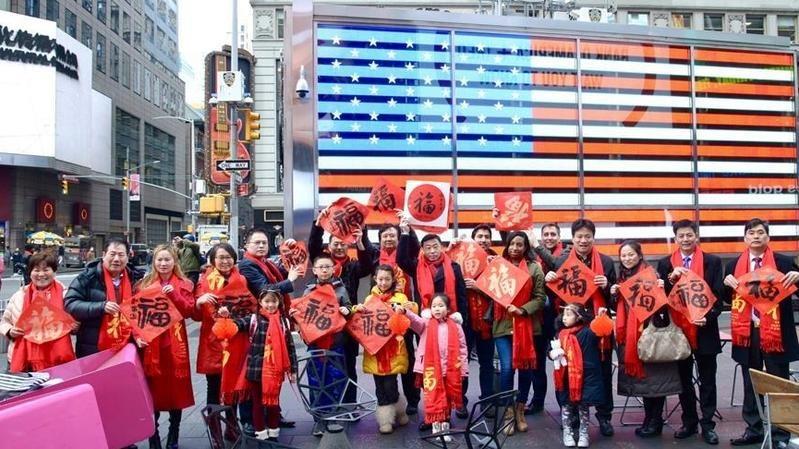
223,329
398,324
602,326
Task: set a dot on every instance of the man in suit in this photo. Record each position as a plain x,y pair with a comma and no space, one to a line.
760,339
583,231
690,257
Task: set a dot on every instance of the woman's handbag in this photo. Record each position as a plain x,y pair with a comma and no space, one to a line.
663,344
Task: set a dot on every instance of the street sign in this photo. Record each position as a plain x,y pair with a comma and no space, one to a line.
233,164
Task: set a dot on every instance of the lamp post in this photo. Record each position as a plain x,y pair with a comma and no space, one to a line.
129,169
192,185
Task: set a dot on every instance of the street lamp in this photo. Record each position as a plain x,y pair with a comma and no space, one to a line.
192,186
129,169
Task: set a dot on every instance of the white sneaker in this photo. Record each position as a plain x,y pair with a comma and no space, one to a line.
583,441
436,428
568,437
262,435
273,434
445,428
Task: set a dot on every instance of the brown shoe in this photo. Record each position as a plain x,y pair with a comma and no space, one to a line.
521,423
509,424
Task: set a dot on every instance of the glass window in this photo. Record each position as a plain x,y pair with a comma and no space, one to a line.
786,26
125,69
101,13
638,18
755,24
281,22
681,20
86,34
137,36
99,55
156,90
71,23
714,22
173,20
159,146
137,68
53,10
137,5
126,133
148,90
160,37
149,30
87,5
114,204
114,17
32,8
126,27
114,62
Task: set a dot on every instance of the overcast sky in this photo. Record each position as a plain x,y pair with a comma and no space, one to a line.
204,27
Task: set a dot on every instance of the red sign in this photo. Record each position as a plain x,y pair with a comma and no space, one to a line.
294,255
41,322
763,289
81,214
692,297
343,217
426,202
370,326
643,294
575,282
515,211
45,210
502,281
470,256
318,314
150,313
386,198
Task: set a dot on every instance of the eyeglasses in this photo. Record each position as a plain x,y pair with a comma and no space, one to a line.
324,267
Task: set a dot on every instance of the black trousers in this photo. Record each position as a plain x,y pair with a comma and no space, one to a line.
706,369
409,389
541,344
386,389
605,410
749,410
351,349
653,410
212,395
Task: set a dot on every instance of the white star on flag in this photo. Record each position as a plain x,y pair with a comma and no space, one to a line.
409,44
464,104
514,49
428,104
497,83
355,78
444,45
481,118
498,58
336,64
514,95
392,79
336,115
373,115
373,90
354,53
374,139
336,89
446,117
445,68
391,54
498,106
428,127
355,101
410,91
391,103
464,128
464,81
446,140
373,65
409,66
410,116
446,92
498,129
514,70
516,141
482,141
427,56
481,69
428,80
336,139
336,40
392,128
481,47
515,119
410,140
481,93
355,127
463,56
373,42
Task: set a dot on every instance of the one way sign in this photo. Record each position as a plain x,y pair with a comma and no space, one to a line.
233,164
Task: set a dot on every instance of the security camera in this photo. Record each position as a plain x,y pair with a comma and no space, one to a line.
302,88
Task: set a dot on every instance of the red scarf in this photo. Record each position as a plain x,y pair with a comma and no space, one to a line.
698,267
478,306
390,349
741,319
425,280
276,363
339,264
442,390
272,272
174,339
572,373
628,329
523,355
29,356
115,330
390,258
597,299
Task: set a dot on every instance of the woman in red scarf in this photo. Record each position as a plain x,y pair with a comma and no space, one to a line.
515,327
166,358
652,381
23,354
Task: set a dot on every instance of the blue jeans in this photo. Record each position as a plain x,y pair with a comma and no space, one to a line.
506,371
485,358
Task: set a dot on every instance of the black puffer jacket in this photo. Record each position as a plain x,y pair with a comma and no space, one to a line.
85,301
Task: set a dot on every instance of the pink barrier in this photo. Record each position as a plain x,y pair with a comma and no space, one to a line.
73,421
120,388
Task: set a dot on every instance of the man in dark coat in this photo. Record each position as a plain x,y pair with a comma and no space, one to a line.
686,237
756,237
583,231
87,301
255,264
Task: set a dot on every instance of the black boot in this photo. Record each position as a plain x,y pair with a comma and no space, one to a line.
155,441
174,429
231,427
654,429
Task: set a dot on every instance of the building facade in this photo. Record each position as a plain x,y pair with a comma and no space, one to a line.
135,63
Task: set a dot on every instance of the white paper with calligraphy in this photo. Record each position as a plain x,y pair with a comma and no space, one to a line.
41,322
427,205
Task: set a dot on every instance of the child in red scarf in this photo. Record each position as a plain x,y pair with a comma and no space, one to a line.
578,375
390,360
441,360
270,360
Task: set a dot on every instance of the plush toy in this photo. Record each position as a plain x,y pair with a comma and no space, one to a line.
557,354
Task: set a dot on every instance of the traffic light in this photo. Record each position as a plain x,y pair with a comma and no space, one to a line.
125,183
64,187
252,123
212,204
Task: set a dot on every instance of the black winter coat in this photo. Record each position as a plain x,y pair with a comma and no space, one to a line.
593,392
353,270
85,301
257,282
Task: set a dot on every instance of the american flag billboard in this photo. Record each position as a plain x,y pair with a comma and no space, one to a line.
629,134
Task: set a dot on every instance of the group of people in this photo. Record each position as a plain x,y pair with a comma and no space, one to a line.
450,318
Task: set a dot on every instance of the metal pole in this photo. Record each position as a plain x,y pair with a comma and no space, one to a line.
127,195
193,187
234,67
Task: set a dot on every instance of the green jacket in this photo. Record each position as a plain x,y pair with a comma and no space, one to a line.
189,256
536,303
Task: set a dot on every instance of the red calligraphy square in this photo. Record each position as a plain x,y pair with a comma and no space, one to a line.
370,326
643,294
692,297
575,282
502,281
150,313
515,210
470,256
294,254
343,217
317,314
386,198
43,322
763,289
